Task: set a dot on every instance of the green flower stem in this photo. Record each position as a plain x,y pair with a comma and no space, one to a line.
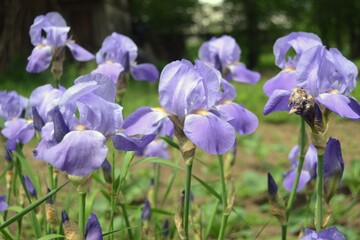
156,183
225,215
127,222
211,221
8,198
302,141
51,176
187,198
319,190
82,203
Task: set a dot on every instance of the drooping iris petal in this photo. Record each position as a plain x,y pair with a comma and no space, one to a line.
299,41
290,179
80,53
311,159
40,59
79,153
294,155
124,142
278,101
244,121
209,132
342,105
240,73
93,229
145,71
145,120
111,70
3,203
284,80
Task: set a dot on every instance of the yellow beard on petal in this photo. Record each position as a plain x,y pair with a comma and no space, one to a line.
80,127
202,112
289,69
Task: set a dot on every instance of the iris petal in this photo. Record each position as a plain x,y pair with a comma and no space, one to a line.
278,101
342,105
209,132
145,71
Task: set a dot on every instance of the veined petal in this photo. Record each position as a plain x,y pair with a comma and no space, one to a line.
240,73
124,142
79,153
40,59
209,132
311,159
111,70
145,71
278,101
80,53
294,156
342,105
93,229
157,148
145,120
244,121
290,179
77,91
178,81
106,88
284,80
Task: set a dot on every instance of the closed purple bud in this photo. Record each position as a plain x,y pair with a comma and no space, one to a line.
7,154
64,216
38,121
106,167
165,228
29,186
60,127
50,200
272,186
146,212
93,229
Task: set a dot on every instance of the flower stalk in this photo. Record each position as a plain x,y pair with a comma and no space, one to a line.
82,203
225,215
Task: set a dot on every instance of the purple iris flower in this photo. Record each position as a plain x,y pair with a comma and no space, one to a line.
93,229
117,54
308,171
30,188
3,203
286,79
86,115
189,96
325,77
331,233
19,131
50,46
223,53
146,212
12,105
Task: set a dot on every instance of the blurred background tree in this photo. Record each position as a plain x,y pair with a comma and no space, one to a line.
166,30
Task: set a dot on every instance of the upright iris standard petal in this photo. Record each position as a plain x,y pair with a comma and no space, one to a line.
240,73
209,132
145,71
244,121
278,101
145,120
40,59
56,36
299,41
79,153
111,70
93,229
284,80
79,53
157,148
290,177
